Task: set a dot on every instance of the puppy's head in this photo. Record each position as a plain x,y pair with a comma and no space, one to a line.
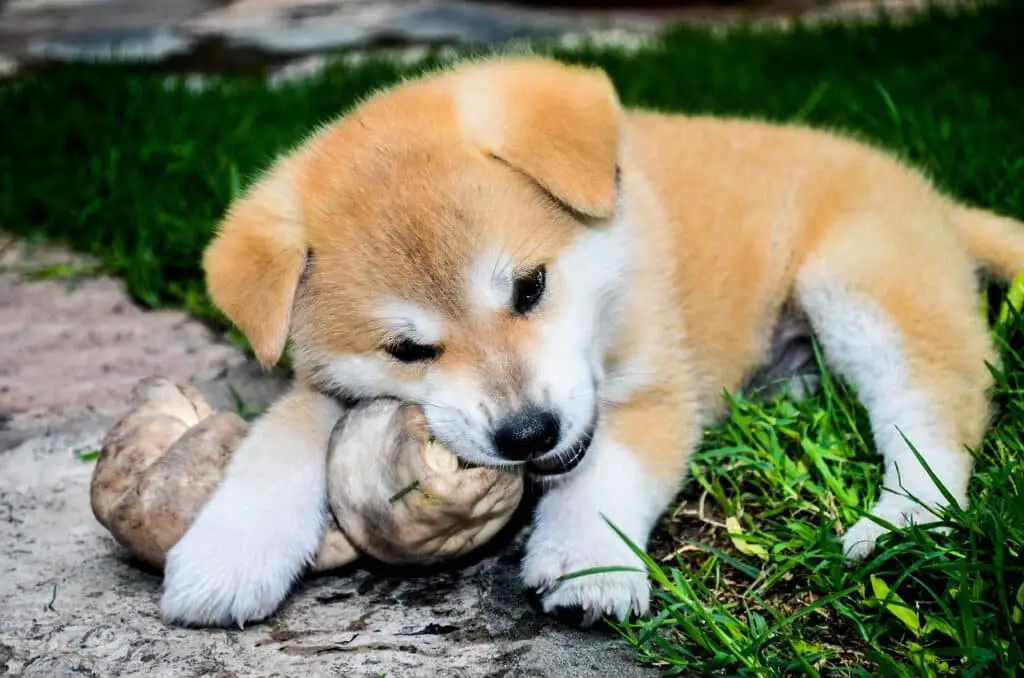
453,242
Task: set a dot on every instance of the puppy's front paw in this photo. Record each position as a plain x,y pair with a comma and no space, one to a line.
897,510
583,600
236,566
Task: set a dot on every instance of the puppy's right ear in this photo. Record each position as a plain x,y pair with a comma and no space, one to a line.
254,262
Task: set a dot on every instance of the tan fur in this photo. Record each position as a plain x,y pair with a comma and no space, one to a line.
398,199
261,245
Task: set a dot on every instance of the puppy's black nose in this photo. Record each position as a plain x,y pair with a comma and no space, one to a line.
528,433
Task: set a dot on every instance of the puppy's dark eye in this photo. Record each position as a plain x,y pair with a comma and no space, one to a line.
408,351
527,291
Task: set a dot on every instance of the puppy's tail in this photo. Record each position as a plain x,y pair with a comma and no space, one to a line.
996,242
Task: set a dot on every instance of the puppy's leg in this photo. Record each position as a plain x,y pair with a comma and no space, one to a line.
635,466
262,525
909,338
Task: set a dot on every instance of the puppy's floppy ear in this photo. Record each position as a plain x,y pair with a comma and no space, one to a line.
559,124
254,262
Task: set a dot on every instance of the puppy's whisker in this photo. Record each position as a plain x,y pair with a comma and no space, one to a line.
503,256
443,408
531,237
538,243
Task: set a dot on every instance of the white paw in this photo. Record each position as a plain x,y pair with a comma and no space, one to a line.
897,510
262,526
549,559
238,561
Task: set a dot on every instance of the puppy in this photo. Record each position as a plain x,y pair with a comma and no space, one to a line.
567,285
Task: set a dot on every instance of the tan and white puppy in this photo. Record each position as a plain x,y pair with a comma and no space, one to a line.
569,285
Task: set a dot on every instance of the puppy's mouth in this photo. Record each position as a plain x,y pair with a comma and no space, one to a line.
559,464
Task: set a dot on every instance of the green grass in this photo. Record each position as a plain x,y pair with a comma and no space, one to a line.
768,592
119,163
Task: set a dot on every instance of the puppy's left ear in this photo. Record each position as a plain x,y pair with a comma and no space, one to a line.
558,124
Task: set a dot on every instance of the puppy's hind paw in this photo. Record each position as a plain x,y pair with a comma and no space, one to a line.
861,539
